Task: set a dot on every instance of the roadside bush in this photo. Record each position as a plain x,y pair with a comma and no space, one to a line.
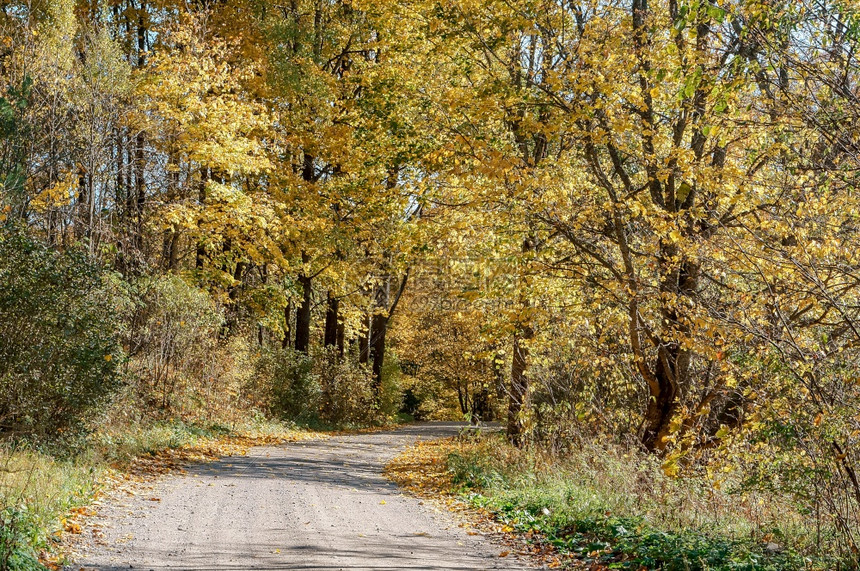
172,338
346,389
59,323
320,387
17,535
391,391
287,385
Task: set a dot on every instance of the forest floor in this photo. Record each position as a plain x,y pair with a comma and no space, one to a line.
313,504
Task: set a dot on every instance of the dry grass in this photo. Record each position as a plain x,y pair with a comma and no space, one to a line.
533,491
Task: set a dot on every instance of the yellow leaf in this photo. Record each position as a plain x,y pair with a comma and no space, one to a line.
671,469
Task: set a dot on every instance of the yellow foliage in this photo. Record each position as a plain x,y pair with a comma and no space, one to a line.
61,193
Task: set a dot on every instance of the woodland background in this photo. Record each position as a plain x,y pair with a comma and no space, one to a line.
626,227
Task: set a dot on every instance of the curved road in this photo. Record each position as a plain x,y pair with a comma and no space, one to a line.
308,505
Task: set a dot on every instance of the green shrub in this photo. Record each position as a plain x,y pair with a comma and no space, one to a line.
321,387
59,323
391,391
288,384
17,536
346,387
172,337
472,471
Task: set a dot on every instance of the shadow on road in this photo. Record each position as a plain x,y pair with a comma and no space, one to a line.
320,504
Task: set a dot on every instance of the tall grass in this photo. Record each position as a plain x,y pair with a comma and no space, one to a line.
36,490
615,506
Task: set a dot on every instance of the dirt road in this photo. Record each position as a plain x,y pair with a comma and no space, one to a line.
309,505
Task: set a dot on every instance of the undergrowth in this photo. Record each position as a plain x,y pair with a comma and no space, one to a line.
614,508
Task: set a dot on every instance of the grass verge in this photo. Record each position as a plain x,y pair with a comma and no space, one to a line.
606,508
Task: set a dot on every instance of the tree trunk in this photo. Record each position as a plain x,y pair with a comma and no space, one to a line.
672,365
364,344
662,404
519,387
137,199
201,200
341,333
378,330
83,224
288,311
232,309
481,411
121,191
303,316
463,399
331,321
171,236
379,325
238,275
519,382
172,253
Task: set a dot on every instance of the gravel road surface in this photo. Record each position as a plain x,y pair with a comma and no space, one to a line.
308,505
